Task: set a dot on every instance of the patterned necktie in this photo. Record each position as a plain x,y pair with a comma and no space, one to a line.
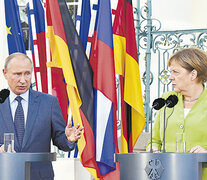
19,120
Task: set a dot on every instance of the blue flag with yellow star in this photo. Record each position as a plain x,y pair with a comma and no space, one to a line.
14,30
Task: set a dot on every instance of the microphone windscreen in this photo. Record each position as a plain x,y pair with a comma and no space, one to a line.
158,103
171,101
4,93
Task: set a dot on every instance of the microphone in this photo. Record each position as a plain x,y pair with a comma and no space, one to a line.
4,93
157,104
171,101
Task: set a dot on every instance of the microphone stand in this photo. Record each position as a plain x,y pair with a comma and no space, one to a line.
164,131
157,104
151,133
171,101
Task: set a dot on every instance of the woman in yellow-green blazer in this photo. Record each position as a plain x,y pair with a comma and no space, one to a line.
188,74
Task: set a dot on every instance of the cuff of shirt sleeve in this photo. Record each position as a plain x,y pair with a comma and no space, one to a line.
71,145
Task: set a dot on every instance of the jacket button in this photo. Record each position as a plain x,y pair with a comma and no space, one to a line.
181,126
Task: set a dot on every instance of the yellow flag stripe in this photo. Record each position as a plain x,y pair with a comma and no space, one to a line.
124,144
138,122
133,96
128,67
132,85
119,53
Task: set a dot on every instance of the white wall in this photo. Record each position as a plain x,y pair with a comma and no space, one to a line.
180,14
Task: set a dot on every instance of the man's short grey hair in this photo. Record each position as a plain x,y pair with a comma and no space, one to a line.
17,54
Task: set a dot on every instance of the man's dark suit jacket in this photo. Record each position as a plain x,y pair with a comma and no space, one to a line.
44,122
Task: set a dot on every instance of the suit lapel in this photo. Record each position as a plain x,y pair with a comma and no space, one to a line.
8,120
31,115
7,116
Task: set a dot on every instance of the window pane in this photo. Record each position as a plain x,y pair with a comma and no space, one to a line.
24,23
21,2
73,11
72,6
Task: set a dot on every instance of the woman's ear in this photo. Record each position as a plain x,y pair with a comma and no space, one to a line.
194,74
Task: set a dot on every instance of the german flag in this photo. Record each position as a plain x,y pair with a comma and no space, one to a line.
126,65
36,20
68,54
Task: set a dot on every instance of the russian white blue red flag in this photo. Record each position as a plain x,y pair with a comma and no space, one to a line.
102,62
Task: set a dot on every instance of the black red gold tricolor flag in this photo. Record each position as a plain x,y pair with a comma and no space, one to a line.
126,65
36,20
68,54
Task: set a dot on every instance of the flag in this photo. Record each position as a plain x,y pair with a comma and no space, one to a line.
15,37
37,30
85,20
11,31
126,64
102,62
36,19
69,55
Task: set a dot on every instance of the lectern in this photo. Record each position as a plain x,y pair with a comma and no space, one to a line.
161,166
16,166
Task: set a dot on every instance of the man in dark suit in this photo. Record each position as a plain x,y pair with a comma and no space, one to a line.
41,116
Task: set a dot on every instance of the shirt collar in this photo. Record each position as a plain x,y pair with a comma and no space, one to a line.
12,96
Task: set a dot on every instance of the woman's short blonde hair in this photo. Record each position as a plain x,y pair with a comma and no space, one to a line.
190,59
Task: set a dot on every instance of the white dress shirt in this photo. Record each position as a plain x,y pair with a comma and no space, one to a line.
186,111
14,103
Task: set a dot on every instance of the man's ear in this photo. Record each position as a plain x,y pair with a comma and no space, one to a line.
5,73
194,74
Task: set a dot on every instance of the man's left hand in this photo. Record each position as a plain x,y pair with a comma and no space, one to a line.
73,133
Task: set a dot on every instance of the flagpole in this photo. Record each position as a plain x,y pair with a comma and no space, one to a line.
49,76
148,55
